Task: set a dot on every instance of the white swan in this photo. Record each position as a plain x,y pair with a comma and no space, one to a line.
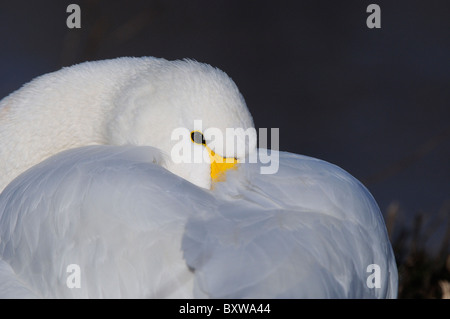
135,222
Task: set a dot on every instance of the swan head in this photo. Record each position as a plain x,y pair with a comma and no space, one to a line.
191,111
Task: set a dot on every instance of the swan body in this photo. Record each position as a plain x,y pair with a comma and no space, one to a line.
88,181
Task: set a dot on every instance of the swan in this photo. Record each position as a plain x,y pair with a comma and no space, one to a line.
94,204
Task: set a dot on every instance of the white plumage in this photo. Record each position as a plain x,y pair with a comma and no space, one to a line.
139,225
137,101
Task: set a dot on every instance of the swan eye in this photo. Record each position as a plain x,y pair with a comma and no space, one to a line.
197,138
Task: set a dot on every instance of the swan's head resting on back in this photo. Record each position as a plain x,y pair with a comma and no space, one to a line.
192,112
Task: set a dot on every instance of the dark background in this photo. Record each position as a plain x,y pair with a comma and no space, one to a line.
376,102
